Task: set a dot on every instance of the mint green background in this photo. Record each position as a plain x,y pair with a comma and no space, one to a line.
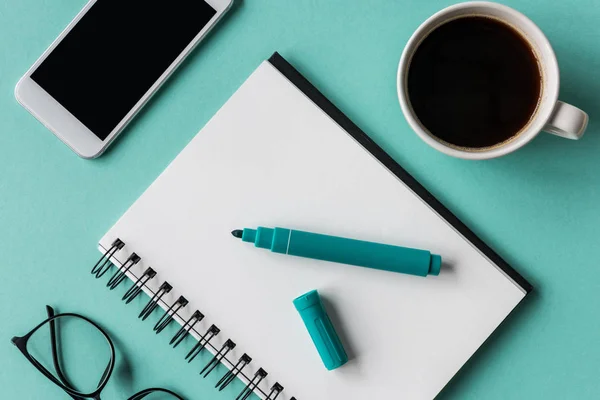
538,207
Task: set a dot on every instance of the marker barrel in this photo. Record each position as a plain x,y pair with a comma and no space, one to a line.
347,251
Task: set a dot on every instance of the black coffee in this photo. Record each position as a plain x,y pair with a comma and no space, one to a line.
474,82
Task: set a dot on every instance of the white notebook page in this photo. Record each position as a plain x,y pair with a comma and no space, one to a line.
271,157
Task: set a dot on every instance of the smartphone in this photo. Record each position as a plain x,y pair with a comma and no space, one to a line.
108,62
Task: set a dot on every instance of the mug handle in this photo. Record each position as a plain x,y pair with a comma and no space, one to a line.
567,121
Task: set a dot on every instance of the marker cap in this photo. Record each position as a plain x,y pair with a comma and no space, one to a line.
321,330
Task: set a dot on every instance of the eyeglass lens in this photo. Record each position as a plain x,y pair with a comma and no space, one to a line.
83,353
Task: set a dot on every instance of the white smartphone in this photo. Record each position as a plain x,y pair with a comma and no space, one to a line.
108,62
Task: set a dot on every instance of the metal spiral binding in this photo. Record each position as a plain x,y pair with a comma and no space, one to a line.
244,360
104,264
134,290
216,360
185,329
253,384
276,389
153,303
167,317
121,273
204,339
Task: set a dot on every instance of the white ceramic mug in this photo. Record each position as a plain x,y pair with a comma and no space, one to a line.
552,116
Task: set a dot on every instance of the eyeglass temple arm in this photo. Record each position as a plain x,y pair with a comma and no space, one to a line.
59,372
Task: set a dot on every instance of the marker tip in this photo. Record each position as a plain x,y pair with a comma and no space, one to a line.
237,233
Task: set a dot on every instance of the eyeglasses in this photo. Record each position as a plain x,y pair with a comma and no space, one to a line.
76,355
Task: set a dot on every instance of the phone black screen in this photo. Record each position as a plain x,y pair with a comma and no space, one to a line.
115,53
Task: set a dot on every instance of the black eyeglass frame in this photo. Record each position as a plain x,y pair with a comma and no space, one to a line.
21,343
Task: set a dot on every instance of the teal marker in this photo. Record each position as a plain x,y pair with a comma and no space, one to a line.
341,250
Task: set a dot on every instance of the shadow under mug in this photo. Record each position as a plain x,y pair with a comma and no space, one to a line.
552,116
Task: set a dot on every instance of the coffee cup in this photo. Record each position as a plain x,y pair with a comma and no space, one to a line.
465,132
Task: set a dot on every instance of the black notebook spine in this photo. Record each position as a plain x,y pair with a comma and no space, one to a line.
235,367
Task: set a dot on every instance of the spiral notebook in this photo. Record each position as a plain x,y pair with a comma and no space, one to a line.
278,153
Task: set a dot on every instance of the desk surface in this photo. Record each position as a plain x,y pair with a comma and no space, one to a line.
539,207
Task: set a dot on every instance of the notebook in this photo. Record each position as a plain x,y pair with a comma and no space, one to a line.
278,153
